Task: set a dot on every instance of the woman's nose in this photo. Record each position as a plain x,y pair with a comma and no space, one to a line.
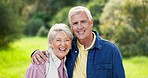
63,43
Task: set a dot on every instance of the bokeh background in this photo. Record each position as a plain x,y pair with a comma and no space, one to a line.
24,25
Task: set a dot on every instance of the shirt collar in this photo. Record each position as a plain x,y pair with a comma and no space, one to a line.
93,42
55,59
98,41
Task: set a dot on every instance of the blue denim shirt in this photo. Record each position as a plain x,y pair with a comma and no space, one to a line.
104,60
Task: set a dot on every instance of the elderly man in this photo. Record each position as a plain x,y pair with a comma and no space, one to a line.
90,56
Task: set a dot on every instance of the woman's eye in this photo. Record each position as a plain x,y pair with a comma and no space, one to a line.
58,40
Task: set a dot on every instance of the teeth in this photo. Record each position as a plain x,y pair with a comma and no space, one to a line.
62,49
81,32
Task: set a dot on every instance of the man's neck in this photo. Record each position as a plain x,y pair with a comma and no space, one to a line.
87,42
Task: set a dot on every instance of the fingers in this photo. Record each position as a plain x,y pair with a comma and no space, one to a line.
47,53
39,57
35,60
43,56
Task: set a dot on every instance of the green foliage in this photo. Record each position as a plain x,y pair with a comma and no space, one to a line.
136,12
41,15
54,6
43,32
122,21
60,17
142,45
111,21
33,27
10,23
126,24
96,8
57,11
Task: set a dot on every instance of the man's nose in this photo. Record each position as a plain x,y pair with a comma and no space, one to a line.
80,26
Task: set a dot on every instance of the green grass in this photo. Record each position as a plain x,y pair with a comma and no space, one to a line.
136,67
15,59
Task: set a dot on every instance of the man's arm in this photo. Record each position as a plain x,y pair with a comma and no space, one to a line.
118,68
39,56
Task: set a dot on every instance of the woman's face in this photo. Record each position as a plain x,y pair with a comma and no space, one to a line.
61,44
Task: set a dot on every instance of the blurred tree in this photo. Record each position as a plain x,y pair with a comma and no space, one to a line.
10,23
42,32
110,19
33,26
60,17
125,23
45,10
137,17
96,8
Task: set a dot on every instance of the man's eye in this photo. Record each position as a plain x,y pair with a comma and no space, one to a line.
66,40
84,21
75,23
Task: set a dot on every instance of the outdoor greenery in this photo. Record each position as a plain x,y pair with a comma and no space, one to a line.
15,59
9,22
123,22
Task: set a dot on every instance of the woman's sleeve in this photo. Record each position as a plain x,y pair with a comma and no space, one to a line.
36,71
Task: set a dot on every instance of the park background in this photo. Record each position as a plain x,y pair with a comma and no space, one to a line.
24,25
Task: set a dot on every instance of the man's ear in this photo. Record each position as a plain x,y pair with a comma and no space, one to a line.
92,22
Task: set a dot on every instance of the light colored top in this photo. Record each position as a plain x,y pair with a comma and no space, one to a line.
48,70
52,66
81,62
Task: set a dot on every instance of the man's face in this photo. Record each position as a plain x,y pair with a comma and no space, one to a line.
81,25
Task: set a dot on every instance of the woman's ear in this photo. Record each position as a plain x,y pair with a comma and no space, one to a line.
50,41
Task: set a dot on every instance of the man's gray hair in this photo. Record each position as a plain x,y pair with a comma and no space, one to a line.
76,10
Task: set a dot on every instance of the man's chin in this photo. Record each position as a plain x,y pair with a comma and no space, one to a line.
80,38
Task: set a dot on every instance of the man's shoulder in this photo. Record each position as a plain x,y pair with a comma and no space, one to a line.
105,42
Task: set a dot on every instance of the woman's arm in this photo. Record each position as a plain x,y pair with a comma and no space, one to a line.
36,71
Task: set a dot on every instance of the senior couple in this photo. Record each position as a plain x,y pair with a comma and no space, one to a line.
86,55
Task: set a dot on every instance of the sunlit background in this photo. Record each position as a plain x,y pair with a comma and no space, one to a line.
24,25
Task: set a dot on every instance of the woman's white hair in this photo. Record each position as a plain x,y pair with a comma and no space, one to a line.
77,10
57,28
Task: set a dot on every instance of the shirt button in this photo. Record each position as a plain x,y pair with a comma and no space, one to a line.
75,51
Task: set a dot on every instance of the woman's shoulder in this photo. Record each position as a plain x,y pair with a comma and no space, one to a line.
37,66
35,71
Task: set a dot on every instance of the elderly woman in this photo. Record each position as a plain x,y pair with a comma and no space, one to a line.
59,40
